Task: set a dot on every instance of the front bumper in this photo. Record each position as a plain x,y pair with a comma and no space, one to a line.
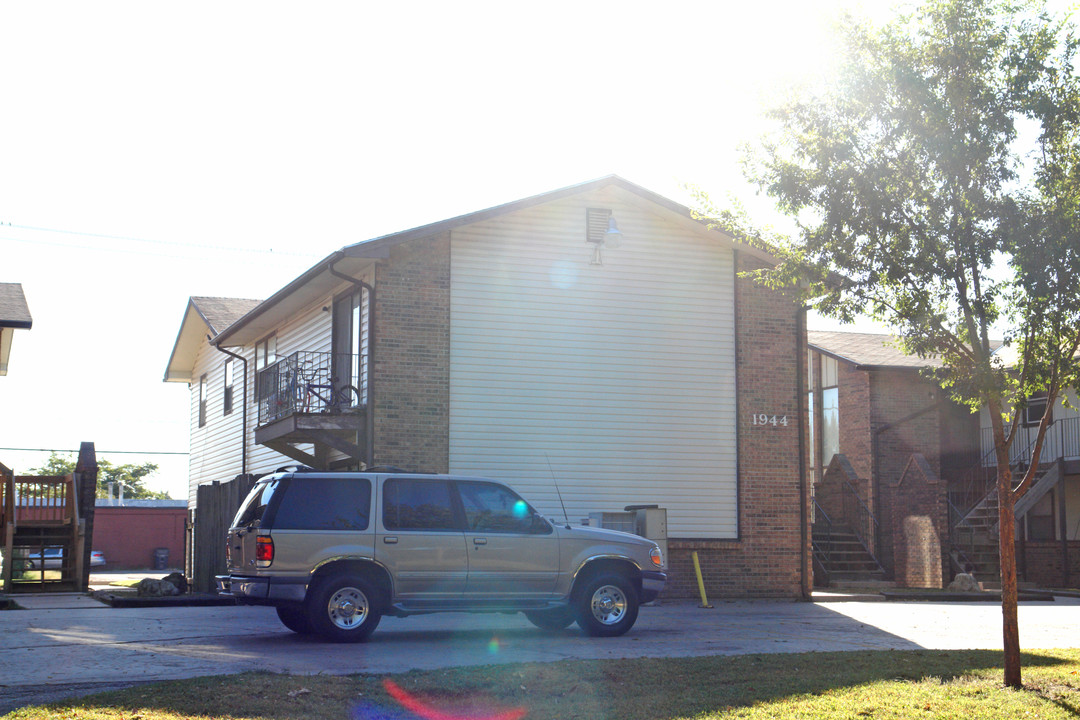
263,590
652,584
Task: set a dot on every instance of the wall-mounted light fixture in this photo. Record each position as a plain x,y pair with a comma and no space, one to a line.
601,231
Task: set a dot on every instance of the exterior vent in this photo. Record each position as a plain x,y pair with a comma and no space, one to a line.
596,224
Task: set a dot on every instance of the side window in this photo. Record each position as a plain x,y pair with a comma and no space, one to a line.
202,401
227,395
255,504
494,508
324,504
418,505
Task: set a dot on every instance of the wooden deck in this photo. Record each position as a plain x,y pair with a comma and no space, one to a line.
38,512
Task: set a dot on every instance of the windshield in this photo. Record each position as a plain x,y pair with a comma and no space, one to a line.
255,505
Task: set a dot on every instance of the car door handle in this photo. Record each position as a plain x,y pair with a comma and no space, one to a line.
479,541
390,540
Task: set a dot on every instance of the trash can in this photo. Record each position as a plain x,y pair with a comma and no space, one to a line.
161,558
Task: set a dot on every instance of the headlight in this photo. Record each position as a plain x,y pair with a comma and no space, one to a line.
656,557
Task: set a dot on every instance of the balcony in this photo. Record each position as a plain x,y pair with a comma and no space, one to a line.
1062,441
316,398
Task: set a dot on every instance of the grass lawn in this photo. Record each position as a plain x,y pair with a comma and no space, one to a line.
910,684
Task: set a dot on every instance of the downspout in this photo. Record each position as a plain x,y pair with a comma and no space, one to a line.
369,411
244,410
800,389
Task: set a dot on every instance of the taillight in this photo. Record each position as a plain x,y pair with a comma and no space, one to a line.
656,557
264,550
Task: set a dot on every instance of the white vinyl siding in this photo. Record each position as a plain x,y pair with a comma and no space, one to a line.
617,378
216,447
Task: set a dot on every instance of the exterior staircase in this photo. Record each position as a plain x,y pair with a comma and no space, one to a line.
841,558
974,531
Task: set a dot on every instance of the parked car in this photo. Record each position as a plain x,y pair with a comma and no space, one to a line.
53,557
334,552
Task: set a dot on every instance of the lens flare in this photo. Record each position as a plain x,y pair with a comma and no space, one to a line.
494,646
423,709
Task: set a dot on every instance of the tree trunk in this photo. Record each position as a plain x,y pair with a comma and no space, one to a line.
1007,556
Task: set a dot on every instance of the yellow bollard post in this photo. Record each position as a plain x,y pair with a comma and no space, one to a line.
700,582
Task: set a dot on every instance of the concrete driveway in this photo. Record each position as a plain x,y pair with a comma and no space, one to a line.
68,645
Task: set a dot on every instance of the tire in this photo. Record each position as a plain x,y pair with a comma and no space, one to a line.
295,619
553,620
348,396
607,605
344,608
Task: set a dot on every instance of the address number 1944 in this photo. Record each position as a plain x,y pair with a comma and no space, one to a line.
761,419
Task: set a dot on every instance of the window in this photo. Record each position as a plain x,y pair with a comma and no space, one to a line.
324,504
255,505
265,356
1036,408
494,508
227,396
830,411
202,401
351,333
418,505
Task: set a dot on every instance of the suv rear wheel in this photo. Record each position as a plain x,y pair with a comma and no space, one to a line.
344,608
554,619
294,618
607,606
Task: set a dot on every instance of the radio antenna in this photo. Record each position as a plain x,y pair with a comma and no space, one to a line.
566,517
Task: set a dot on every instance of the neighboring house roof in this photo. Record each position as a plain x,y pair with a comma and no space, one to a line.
869,350
13,310
14,315
203,314
353,259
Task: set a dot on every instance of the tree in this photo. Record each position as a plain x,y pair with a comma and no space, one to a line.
132,476
907,182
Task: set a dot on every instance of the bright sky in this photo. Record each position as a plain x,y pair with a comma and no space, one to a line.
151,151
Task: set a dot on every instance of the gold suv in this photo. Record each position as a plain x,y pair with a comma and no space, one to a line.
334,552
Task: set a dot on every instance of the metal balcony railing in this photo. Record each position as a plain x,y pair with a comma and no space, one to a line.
1062,441
311,382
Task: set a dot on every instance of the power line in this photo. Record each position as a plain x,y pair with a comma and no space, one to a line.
99,452
129,238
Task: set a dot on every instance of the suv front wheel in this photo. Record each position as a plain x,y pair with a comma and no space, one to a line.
343,608
607,606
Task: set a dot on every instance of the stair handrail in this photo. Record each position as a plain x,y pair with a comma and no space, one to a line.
863,524
1018,459
823,554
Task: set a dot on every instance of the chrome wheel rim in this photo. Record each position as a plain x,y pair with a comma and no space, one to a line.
348,608
608,604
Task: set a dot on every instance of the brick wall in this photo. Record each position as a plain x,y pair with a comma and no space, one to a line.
854,396
128,536
411,373
1041,563
766,560
917,523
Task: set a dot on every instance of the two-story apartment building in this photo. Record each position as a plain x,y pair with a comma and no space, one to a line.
595,342
871,406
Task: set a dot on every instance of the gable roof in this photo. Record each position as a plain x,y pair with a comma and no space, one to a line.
13,310
353,259
870,351
203,314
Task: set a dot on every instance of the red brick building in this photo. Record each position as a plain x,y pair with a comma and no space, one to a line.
914,476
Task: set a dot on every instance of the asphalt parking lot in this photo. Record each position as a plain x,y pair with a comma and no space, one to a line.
66,645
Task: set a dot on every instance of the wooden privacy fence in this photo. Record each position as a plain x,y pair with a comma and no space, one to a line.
216,504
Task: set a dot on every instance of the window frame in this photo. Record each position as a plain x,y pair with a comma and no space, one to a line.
204,393
228,382
1040,400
